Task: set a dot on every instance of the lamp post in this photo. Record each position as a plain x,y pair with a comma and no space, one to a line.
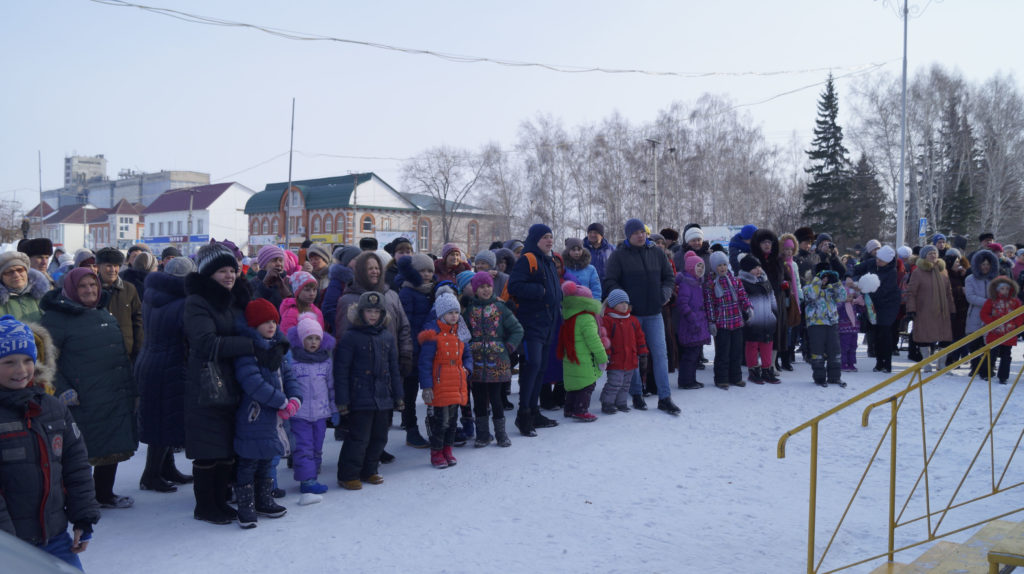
654,144
900,216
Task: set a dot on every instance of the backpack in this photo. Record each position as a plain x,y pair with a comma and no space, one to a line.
531,259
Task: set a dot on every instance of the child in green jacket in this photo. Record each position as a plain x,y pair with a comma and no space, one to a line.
582,350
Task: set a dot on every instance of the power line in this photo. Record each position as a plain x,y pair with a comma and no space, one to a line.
457,58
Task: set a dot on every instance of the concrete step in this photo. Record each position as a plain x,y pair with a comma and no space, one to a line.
891,568
971,557
1010,550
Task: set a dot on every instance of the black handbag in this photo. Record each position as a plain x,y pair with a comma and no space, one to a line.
214,391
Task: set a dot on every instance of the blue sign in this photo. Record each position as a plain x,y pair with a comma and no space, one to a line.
922,226
177,239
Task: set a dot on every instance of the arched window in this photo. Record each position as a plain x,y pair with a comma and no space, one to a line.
316,224
339,226
254,226
366,223
424,235
474,236
328,224
273,226
266,226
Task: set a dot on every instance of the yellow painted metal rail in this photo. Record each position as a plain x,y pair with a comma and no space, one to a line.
916,380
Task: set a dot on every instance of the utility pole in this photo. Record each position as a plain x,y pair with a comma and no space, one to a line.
654,151
188,238
288,191
40,193
900,216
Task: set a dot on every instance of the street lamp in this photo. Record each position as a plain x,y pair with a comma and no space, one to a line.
654,144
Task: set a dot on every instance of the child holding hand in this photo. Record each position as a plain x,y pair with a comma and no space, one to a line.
312,354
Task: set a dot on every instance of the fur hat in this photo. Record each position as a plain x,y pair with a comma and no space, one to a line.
368,244
717,258
370,300
110,255
320,251
749,263
214,256
179,266
445,303
259,311
692,260
571,242
480,278
804,234
632,226
986,235
693,233
748,231
10,259
656,237
230,245
514,245
37,246
669,234
615,297
16,338
266,254
144,262
571,289
392,247
599,228
168,252
300,279
308,325
84,257
886,254
486,256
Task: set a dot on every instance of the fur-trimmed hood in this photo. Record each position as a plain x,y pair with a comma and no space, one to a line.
576,263
356,319
994,284
983,255
299,352
925,265
38,284
360,276
755,245
46,361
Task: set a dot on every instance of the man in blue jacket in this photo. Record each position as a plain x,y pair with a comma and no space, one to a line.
642,270
599,248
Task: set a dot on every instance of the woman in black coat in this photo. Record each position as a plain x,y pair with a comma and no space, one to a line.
160,374
214,310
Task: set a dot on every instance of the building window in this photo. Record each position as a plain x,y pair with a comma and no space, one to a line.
474,231
266,226
366,223
424,235
152,230
296,199
315,224
179,227
161,228
273,226
339,225
385,224
328,224
254,227
199,225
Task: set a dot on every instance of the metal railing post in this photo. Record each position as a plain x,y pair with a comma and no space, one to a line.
892,482
813,498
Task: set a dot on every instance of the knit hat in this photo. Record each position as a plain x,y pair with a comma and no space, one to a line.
16,338
421,262
66,259
266,254
749,263
308,325
37,246
444,303
804,234
596,227
926,250
693,233
144,262
537,230
448,248
171,251
656,237
214,256
291,262
463,279
320,251
986,235
995,247
69,287
632,226
953,252
10,259
179,266
571,242
669,234
748,231
84,257
872,245
692,260
368,244
886,254
717,258
481,278
259,311
572,289
230,245
300,279
487,256
904,252
109,255
385,258
937,237
615,297
822,238
514,245
344,254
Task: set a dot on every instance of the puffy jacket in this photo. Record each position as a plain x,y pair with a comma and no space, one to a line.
92,361
886,298
692,328
314,373
627,338
821,305
338,277
585,273
290,314
599,255
45,478
644,273
976,287
366,371
416,298
495,331
998,306
725,301
161,369
763,306
267,383
590,351
25,307
537,294
737,247
445,363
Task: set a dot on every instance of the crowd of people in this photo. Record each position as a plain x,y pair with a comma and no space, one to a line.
243,362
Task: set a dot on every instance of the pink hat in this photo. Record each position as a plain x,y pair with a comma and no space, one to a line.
571,289
308,325
692,259
291,262
299,279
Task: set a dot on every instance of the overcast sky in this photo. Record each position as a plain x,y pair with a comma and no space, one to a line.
152,92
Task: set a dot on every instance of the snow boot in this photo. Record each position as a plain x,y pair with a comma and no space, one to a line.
542,422
500,436
769,376
524,422
448,456
151,479
437,459
668,406
312,486
460,437
754,375
584,417
308,498
483,433
639,403
386,457
468,427
247,515
414,439
204,487
265,504
168,471
609,409
225,478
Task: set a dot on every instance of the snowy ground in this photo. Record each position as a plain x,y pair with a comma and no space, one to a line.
633,492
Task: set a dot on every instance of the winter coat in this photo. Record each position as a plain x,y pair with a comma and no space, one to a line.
886,299
25,306
581,317
501,285
737,247
805,262
93,362
496,332
126,306
585,273
314,373
976,287
275,293
644,273
45,479
213,320
930,298
290,314
850,313
998,306
397,325
538,295
692,319
366,371
763,322
725,301
443,272
267,384
599,255
445,364
770,260
627,338
416,298
161,369
821,305
338,277
137,279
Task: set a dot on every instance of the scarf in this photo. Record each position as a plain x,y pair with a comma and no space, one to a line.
719,292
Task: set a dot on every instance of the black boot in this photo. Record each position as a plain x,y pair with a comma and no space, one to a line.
265,504
225,478
639,403
204,488
500,436
547,399
151,474
524,422
483,433
542,422
245,496
506,390
769,376
170,473
785,362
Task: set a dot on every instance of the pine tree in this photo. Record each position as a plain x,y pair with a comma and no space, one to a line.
867,200
827,199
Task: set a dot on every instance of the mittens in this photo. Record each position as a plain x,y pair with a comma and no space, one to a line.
428,396
335,419
289,409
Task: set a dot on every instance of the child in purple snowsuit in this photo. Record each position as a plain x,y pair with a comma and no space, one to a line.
692,330
312,366
849,326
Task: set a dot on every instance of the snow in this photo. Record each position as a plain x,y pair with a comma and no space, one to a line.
632,492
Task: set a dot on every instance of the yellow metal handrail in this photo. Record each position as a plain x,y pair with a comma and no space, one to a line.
916,381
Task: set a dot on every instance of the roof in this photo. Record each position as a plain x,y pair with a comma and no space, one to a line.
324,193
177,199
73,214
125,207
46,210
428,202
